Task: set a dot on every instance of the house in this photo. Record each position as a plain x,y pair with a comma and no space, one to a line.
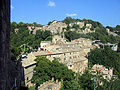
107,73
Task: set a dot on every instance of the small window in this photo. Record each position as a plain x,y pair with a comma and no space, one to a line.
64,58
27,78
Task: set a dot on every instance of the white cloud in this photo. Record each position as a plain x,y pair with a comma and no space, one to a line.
51,4
12,7
71,15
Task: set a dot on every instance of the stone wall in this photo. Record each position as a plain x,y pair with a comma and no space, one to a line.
50,85
9,70
4,43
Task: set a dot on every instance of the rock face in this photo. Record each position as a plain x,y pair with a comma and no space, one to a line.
9,72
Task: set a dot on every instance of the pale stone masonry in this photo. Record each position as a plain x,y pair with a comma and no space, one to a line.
72,54
107,73
55,27
80,24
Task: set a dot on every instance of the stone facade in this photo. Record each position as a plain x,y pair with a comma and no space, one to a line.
55,27
50,85
107,73
33,29
28,64
80,24
88,25
58,40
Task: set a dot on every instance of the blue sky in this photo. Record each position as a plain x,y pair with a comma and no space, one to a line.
106,12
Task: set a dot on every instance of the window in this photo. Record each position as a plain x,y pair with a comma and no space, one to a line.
27,78
64,58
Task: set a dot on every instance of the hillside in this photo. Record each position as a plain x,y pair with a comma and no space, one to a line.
30,35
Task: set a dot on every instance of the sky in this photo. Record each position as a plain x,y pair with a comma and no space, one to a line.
106,12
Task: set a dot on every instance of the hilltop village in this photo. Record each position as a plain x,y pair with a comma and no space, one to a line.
73,44
71,54
57,27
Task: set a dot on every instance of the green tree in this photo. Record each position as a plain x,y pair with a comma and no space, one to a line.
71,35
106,57
85,81
45,70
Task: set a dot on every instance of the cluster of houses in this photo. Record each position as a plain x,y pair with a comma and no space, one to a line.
73,54
57,27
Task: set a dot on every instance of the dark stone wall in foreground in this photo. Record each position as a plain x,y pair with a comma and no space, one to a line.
4,43
10,71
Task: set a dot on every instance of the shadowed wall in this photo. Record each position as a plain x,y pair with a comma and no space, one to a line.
4,43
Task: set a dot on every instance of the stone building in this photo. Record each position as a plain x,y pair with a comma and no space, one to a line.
28,64
72,54
58,40
80,24
88,25
107,73
55,27
33,29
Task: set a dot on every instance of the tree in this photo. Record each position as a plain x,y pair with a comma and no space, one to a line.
71,35
113,84
72,85
106,57
46,70
85,81
41,71
14,25
69,20
75,26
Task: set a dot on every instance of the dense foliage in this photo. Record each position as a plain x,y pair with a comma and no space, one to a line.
46,70
100,34
24,37
71,35
106,57
113,84
114,29
95,24
69,20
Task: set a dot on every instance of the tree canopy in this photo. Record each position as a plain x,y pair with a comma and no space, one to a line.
23,36
106,57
